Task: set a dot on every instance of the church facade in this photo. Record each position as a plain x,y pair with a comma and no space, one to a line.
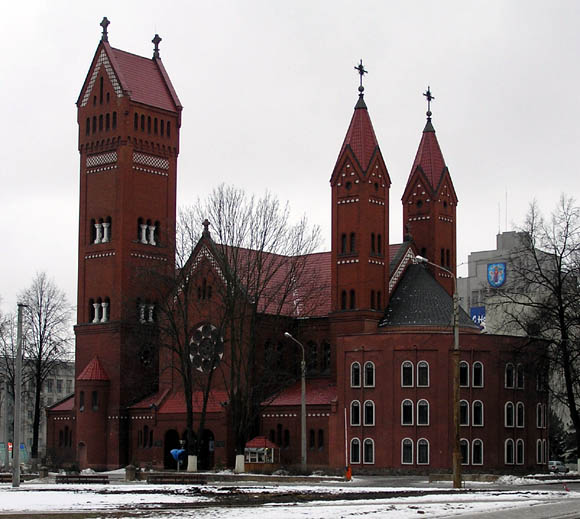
379,385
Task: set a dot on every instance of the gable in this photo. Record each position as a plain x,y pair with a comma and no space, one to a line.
102,62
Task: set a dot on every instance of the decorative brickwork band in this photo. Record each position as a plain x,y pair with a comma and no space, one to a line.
103,159
150,160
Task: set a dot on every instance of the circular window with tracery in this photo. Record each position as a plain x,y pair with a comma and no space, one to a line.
206,347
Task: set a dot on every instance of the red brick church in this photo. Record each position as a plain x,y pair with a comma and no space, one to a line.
379,385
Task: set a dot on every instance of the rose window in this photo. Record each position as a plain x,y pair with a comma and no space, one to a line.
206,347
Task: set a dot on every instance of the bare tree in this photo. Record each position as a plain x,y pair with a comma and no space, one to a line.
543,299
47,339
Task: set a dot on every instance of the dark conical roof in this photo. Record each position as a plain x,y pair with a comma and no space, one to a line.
419,300
429,157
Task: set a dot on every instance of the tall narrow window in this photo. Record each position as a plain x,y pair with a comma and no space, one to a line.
423,452
509,375
352,242
107,121
407,451
463,412
95,400
379,244
442,262
162,127
477,374
352,300
369,416
520,452
422,374
343,300
463,374
136,121
477,452
355,374
372,242
372,299
509,452
148,124
142,123
464,448
520,417
355,412
114,120
101,90
422,412
407,374
369,374
355,450
407,412
101,122
343,243
155,122
477,414
520,376
448,258
320,438
509,414
369,451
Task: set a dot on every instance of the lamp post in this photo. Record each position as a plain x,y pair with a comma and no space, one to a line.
302,404
17,398
455,356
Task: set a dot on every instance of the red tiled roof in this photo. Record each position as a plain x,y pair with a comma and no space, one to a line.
429,156
318,392
144,80
64,405
93,371
260,442
361,136
150,401
175,403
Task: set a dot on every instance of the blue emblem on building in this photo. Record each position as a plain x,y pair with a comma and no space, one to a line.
496,274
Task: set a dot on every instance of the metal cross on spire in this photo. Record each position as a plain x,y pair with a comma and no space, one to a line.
105,24
361,71
156,41
429,99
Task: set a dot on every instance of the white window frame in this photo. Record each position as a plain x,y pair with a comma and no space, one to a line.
523,421
539,453
369,363
475,364
473,462
412,406
372,405
545,450
505,414
519,441
520,377
464,441
505,376
473,414
505,451
403,364
419,450
403,462
352,441
353,402
352,365
466,423
423,363
464,363
423,400
364,451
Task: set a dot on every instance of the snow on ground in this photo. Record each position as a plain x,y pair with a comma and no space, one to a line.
35,498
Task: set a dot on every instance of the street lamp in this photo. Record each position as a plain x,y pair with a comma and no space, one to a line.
17,398
455,356
302,404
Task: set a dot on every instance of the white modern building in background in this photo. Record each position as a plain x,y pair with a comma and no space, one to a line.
58,385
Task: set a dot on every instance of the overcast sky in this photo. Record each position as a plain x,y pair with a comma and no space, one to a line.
268,89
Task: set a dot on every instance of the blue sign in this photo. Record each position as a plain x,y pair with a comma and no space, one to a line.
477,314
178,454
496,274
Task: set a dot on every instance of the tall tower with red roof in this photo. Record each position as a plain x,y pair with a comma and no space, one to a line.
129,118
360,225
430,204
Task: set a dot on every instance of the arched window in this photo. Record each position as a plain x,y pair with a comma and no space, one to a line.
464,412
355,374
312,357
352,242
343,300
343,243
422,452
369,451
407,412
369,416
477,452
95,400
407,451
463,374
520,452
352,300
509,376
464,449
520,376
407,374
477,413
540,416
477,374
355,412
355,450
509,414
422,412
422,374
369,374
509,452
372,242
520,415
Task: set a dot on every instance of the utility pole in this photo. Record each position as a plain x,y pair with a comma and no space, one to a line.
17,397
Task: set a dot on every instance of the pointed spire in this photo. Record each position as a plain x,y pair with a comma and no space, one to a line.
156,41
105,24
